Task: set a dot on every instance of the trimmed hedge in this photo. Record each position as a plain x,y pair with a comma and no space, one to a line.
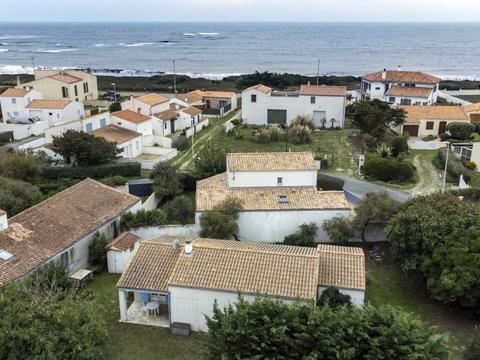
6,137
118,169
327,182
385,169
181,143
460,130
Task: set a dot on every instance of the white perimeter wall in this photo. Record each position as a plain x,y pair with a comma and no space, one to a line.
190,306
273,226
269,178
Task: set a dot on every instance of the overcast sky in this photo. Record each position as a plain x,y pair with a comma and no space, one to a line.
240,10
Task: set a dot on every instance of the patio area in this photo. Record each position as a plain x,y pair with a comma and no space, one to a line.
137,315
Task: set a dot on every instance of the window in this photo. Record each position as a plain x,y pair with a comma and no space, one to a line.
64,92
58,115
85,87
253,98
391,99
312,100
88,127
405,102
132,247
377,88
410,85
76,90
276,116
16,113
165,125
138,145
50,114
279,181
103,122
429,125
14,100
283,199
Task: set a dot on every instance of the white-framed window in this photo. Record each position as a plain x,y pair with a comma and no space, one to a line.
64,91
14,100
16,113
312,99
165,125
377,88
279,181
88,127
253,98
391,99
103,122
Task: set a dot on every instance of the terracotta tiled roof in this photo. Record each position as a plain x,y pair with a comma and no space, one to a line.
68,79
262,88
48,104
131,116
123,241
247,267
167,114
341,267
192,111
116,134
417,113
218,94
212,191
403,77
323,90
271,161
472,108
48,228
191,97
420,92
14,92
152,99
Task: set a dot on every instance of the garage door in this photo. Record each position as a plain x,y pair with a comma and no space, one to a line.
411,129
277,117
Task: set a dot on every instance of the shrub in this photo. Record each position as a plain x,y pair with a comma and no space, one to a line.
166,182
399,145
21,165
101,171
115,106
304,121
6,137
268,135
188,181
298,134
210,161
16,195
220,222
388,170
142,218
455,167
460,130
384,150
333,298
470,165
472,352
97,254
180,210
181,143
114,181
305,236
327,182
429,138
443,137
338,229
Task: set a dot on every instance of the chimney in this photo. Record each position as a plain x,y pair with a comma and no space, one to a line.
188,248
19,83
384,74
175,245
3,220
399,67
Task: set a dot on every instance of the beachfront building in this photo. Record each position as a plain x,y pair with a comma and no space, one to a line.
422,121
60,229
14,102
325,105
177,280
74,85
400,87
212,103
55,111
278,192
147,104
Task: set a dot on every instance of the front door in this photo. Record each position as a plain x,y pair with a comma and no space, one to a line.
442,127
172,126
207,104
318,119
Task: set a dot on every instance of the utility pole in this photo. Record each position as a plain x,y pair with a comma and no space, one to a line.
174,78
33,62
318,73
193,150
446,167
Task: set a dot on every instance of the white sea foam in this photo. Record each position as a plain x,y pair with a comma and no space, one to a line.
136,44
54,51
190,34
100,45
3,50
208,34
8,37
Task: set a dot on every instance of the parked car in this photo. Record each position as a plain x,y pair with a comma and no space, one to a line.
25,121
111,96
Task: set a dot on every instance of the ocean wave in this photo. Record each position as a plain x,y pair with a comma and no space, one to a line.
208,33
100,45
3,44
136,44
3,50
54,51
190,34
8,37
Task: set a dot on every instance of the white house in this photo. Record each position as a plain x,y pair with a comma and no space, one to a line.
60,229
147,104
120,250
431,120
401,87
278,192
14,103
262,105
134,121
217,103
74,85
55,111
174,121
129,142
181,278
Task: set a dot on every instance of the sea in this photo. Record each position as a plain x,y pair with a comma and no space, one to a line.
216,50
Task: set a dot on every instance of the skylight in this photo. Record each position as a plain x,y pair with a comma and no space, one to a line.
5,255
283,199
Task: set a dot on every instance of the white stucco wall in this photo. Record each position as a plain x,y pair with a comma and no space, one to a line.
73,111
190,306
357,297
117,260
422,126
378,89
269,178
17,109
257,113
134,104
273,226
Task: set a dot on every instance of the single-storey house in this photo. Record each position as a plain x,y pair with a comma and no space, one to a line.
130,142
13,103
147,104
55,111
278,192
473,111
177,120
179,279
325,105
401,87
134,121
120,250
60,229
422,121
210,102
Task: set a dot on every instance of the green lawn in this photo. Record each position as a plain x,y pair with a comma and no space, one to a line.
386,284
471,98
126,341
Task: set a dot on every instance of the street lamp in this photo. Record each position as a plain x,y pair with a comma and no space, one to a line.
446,167
318,73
